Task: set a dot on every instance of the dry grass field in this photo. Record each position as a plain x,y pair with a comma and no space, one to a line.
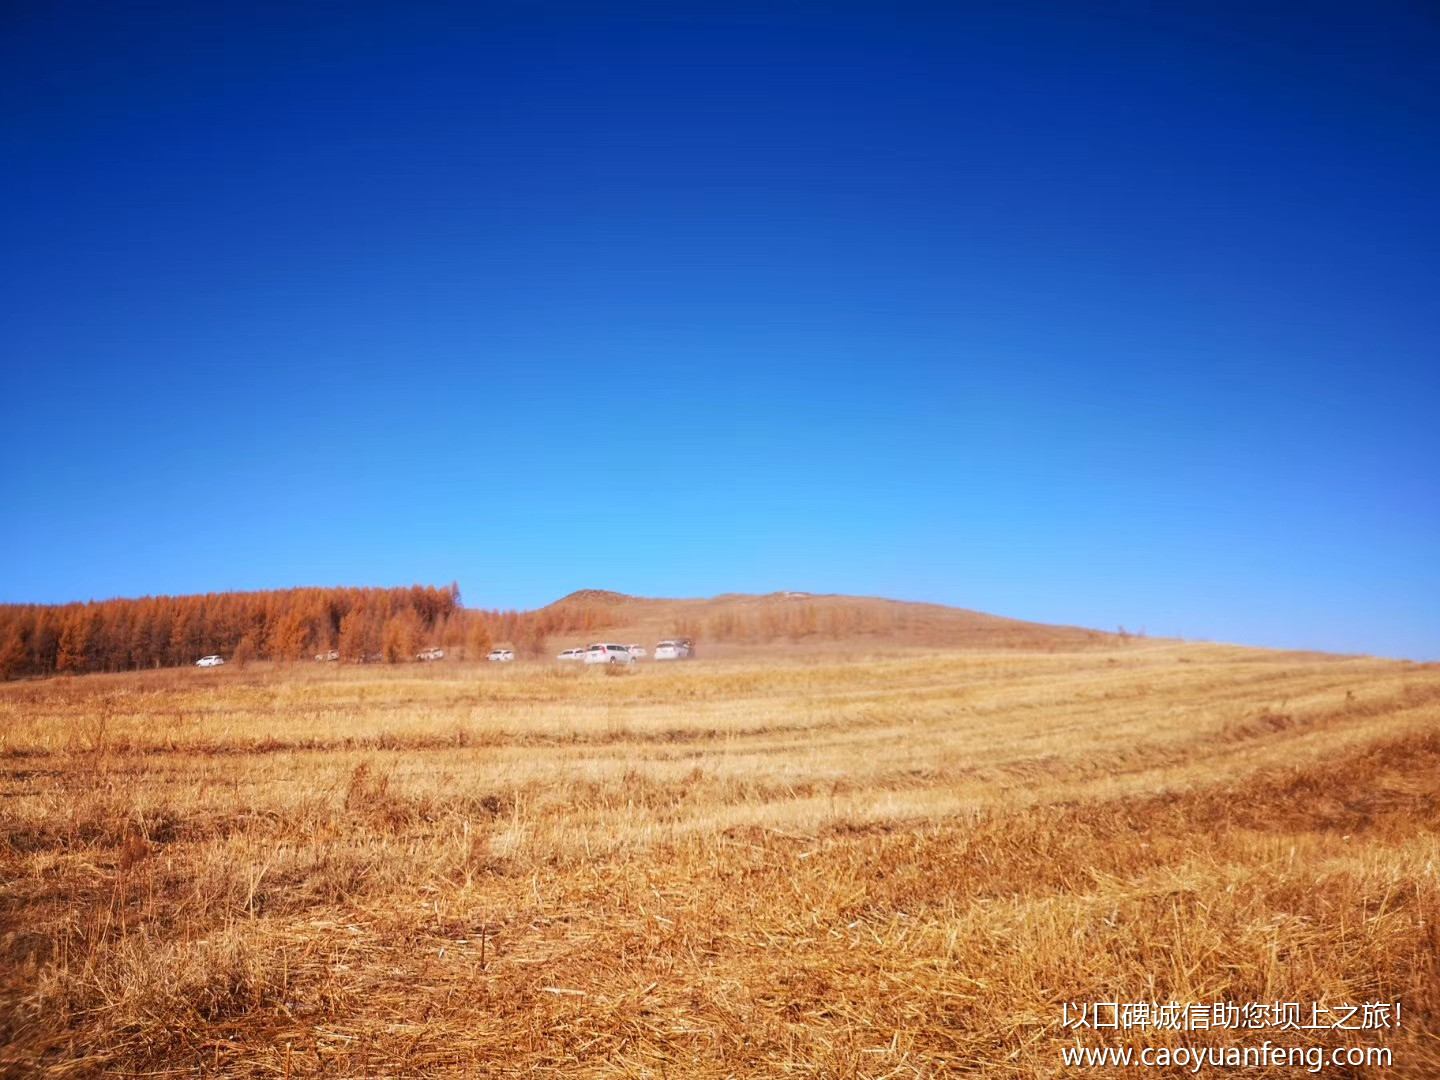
897,864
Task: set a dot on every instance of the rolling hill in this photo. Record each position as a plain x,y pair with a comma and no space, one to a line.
734,622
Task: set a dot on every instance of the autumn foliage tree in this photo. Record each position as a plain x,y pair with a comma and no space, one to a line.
399,638
361,633
478,640
291,636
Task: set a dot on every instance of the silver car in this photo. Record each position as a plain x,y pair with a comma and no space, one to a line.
608,654
675,649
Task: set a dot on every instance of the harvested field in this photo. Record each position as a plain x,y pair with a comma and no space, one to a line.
901,864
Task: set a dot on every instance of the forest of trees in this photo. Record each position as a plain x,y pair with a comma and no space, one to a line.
360,624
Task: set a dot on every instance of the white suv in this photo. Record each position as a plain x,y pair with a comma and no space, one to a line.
637,651
210,661
505,655
608,654
675,649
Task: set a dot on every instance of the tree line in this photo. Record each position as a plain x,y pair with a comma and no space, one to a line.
357,624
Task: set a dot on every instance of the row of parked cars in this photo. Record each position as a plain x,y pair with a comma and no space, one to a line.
670,649
608,653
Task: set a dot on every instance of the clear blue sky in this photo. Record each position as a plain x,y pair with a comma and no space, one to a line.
1085,313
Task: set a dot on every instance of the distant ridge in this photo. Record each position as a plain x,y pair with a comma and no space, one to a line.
735,621
591,596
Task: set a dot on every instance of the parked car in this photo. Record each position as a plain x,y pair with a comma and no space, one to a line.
637,651
327,657
572,654
608,654
431,653
501,654
210,661
675,649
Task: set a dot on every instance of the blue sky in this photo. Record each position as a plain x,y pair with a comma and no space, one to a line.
1082,313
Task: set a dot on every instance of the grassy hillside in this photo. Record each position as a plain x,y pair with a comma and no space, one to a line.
900,865
735,621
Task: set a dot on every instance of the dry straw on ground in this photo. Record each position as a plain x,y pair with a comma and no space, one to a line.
888,866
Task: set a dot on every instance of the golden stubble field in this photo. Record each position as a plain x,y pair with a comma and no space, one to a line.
900,864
